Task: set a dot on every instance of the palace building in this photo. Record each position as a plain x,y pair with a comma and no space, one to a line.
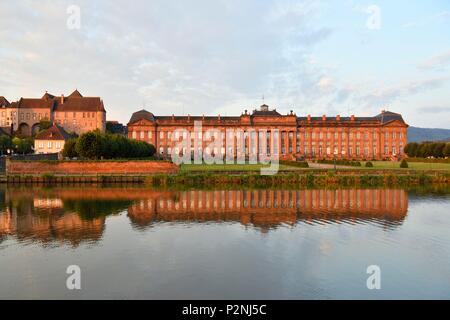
380,137
75,113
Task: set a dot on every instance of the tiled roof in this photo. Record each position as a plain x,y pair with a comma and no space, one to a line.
90,104
141,114
35,103
75,94
55,132
47,96
4,102
74,102
265,113
388,116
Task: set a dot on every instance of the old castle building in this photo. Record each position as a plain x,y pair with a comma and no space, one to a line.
74,113
379,137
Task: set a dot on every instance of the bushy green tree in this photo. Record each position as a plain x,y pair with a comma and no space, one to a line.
411,149
44,124
69,150
426,149
95,145
90,145
23,145
438,149
5,144
446,151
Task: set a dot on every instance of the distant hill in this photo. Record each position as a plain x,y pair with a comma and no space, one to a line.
428,134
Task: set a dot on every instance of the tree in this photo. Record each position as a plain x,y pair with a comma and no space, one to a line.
69,150
411,149
446,151
89,145
44,124
438,149
404,164
5,144
23,146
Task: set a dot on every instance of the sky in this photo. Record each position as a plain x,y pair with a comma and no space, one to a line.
225,56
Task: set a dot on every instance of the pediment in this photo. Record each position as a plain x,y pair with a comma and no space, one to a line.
395,123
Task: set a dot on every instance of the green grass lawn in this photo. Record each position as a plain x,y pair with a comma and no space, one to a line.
411,165
229,167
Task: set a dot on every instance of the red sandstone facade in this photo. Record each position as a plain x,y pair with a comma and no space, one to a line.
380,137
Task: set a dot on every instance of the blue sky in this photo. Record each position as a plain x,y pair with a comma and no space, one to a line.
222,56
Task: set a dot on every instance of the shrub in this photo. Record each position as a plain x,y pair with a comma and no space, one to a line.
69,150
95,145
298,164
369,164
5,144
404,164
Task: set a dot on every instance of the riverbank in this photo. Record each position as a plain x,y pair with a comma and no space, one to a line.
309,177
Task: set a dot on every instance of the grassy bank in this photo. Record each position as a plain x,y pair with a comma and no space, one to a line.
411,165
321,179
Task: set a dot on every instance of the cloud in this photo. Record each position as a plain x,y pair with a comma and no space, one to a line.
434,109
387,95
437,62
201,57
441,16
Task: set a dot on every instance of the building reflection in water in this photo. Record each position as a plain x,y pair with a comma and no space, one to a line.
76,216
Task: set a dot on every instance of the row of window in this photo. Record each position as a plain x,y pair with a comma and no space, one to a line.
50,145
350,151
73,122
74,114
355,135
320,135
27,116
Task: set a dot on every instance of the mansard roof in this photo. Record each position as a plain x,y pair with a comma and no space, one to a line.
388,116
141,114
264,111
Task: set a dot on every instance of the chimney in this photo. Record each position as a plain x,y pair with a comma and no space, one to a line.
292,112
309,118
62,99
324,118
352,117
383,111
219,117
338,117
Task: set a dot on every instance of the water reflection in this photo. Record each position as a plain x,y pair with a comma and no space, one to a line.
77,215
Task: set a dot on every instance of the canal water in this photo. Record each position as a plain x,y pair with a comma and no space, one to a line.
135,242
